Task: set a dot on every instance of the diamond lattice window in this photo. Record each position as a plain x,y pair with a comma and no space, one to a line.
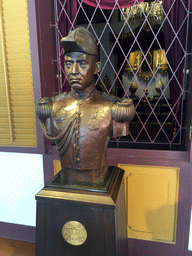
143,50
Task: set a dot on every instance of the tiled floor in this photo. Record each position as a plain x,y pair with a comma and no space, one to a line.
10,247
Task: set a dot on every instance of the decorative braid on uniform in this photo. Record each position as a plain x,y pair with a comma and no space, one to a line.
123,111
44,109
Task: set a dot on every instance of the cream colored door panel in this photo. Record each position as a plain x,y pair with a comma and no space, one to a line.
151,199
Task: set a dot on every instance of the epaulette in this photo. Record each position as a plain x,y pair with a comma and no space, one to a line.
123,110
110,97
44,101
43,109
125,102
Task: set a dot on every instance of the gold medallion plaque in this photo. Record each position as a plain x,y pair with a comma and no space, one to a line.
74,233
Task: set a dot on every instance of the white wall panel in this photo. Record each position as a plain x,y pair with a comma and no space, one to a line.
21,179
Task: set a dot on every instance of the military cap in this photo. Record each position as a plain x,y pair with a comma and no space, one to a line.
80,40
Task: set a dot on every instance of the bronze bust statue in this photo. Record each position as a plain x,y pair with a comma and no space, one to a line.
82,120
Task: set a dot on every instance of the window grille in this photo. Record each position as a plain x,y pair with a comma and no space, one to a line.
137,45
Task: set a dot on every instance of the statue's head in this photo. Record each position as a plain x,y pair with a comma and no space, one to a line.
81,58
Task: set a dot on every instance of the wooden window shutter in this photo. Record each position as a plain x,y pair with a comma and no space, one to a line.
17,112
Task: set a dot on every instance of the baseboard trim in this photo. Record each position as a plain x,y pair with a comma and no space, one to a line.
17,232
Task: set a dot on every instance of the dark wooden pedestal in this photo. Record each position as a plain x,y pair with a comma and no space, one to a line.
101,212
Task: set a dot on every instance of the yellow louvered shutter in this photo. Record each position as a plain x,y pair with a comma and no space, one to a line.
17,112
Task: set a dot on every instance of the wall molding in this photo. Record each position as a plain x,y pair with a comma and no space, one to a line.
18,232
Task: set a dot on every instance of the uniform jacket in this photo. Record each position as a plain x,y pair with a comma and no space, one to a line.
81,125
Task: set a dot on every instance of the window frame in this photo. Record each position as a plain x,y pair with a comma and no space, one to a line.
39,24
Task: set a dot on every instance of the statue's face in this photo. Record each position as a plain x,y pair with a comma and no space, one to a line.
80,69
